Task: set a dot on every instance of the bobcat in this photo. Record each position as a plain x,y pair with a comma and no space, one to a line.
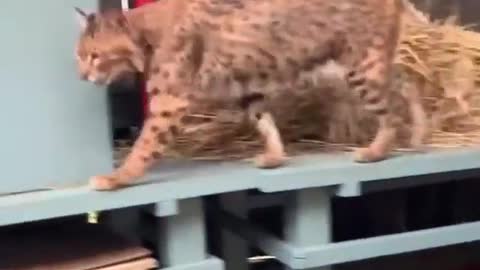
243,50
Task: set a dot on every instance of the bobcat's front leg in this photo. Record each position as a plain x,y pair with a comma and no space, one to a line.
168,104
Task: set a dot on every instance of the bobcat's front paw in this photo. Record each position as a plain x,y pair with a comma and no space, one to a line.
123,176
103,183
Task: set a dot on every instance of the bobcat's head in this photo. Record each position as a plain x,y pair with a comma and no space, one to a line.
106,50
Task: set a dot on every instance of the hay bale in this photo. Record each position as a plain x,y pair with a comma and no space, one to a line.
444,58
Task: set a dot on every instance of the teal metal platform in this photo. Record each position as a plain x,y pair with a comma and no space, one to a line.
173,193
183,180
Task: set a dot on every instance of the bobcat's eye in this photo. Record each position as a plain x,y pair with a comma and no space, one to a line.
93,56
94,59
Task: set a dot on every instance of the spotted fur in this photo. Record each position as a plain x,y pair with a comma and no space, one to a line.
241,50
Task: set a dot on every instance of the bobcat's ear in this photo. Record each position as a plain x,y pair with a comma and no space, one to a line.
83,18
122,21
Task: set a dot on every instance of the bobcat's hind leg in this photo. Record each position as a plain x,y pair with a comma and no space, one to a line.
411,88
419,119
372,87
273,155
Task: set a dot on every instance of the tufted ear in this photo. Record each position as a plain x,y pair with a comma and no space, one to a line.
122,20
83,18
117,19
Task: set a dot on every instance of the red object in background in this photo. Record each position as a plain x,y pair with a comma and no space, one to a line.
139,3
142,2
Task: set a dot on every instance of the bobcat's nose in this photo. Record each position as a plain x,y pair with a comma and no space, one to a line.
84,76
